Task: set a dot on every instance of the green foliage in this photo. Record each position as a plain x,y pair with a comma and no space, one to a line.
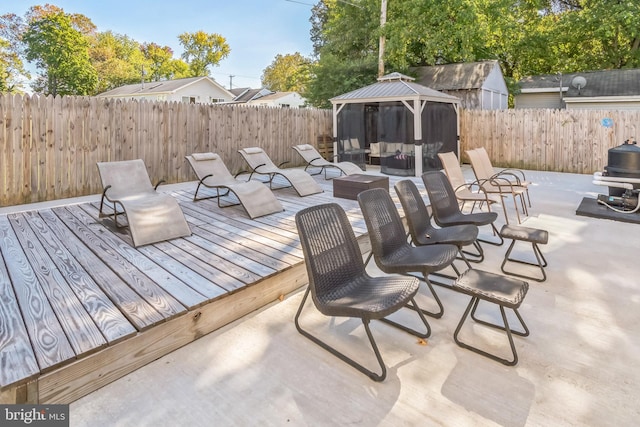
161,63
61,53
527,37
335,76
12,69
287,73
202,50
117,59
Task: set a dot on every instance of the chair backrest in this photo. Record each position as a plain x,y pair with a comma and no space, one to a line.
386,231
452,168
331,252
204,164
480,168
415,210
308,152
441,195
255,156
125,177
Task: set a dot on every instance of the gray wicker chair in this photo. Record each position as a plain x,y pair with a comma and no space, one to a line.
339,284
422,231
389,246
445,208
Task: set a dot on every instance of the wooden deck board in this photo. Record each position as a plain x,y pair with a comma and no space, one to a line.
112,323
50,346
140,310
68,288
143,302
17,360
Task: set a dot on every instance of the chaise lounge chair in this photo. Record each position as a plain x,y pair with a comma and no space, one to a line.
152,216
260,163
254,197
315,160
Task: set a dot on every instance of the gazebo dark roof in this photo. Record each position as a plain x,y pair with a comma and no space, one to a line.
392,87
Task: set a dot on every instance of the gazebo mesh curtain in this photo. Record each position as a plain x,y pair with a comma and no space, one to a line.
439,133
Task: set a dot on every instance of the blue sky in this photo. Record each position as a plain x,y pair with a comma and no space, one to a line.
256,30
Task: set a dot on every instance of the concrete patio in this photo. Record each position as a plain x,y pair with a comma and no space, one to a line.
578,366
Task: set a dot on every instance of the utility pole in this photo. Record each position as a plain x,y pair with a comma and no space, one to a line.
231,81
383,21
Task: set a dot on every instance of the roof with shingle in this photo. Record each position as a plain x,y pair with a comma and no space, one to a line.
154,88
466,75
625,82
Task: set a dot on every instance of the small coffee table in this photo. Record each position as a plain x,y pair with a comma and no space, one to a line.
348,187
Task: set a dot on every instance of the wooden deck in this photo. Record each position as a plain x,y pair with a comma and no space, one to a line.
80,307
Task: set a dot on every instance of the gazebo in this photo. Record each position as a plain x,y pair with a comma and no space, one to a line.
379,122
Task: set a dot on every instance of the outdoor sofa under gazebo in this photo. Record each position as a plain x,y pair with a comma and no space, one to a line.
379,121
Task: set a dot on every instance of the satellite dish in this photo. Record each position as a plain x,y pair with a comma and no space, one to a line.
579,82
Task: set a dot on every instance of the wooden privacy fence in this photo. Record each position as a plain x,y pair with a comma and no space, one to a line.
49,146
575,141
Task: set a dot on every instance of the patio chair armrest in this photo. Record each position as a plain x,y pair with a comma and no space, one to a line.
501,182
259,166
283,163
205,177
104,191
313,160
158,184
500,174
515,172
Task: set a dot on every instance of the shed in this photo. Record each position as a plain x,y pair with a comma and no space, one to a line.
479,85
379,121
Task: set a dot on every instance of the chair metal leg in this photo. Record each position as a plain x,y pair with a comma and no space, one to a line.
500,242
542,262
475,257
374,376
437,314
410,330
471,308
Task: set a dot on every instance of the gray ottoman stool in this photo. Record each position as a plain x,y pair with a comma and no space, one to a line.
503,291
525,234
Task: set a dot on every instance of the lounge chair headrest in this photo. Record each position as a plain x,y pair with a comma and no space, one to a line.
253,150
305,147
204,156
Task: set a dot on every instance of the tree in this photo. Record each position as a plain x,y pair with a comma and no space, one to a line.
202,50
61,52
117,59
161,63
12,69
332,76
287,73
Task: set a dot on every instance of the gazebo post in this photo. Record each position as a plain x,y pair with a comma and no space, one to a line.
417,134
418,158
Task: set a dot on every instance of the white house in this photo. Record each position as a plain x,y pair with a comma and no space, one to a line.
478,85
601,90
202,90
280,99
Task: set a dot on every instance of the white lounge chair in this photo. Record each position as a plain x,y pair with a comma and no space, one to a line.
314,159
152,216
256,199
260,163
